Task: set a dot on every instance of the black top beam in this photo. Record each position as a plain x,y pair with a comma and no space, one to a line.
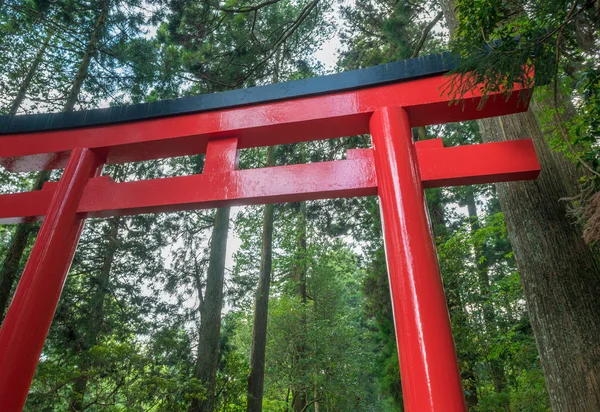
356,79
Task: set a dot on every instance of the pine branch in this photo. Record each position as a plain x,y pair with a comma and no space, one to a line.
425,33
303,15
248,9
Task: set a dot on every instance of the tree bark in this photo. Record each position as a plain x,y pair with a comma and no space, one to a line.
10,267
300,394
35,64
261,310
559,273
210,314
96,314
90,50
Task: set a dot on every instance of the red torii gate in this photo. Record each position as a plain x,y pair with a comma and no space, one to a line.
385,101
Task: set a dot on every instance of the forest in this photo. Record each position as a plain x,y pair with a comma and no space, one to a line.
286,307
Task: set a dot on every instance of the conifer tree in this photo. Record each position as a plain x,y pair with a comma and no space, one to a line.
559,272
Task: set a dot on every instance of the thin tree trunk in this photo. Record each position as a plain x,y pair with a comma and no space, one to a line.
10,267
316,396
300,397
483,277
261,310
96,314
559,273
210,315
11,264
97,303
90,50
256,379
35,64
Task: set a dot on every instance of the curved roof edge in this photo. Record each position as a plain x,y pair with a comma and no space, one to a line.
403,70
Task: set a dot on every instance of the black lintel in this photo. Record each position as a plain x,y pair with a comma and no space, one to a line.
399,71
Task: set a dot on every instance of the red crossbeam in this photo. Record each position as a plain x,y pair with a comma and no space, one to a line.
291,121
220,185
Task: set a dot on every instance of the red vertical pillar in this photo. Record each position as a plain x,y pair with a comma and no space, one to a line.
428,365
30,314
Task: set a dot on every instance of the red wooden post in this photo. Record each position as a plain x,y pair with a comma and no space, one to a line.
29,316
429,369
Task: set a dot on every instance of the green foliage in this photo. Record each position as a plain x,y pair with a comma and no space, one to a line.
333,359
381,31
506,339
501,41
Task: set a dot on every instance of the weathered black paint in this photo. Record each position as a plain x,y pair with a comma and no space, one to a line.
356,79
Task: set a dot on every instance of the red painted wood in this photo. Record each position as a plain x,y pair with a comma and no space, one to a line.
484,163
398,174
428,366
29,316
26,206
304,119
221,155
291,183
474,164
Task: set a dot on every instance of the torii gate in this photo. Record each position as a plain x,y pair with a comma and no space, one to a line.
385,101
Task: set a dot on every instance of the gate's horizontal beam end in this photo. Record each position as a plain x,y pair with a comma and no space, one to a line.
482,179
495,162
24,207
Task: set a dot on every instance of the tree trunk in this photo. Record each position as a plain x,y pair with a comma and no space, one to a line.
261,311
300,395
35,64
489,314
90,50
10,267
96,314
559,273
210,314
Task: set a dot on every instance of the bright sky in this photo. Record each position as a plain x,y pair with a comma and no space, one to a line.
328,53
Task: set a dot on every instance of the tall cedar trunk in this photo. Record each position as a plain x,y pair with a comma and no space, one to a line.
256,379
90,50
559,274
261,310
10,266
300,394
454,300
483,277
35,64
96,315
210,313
